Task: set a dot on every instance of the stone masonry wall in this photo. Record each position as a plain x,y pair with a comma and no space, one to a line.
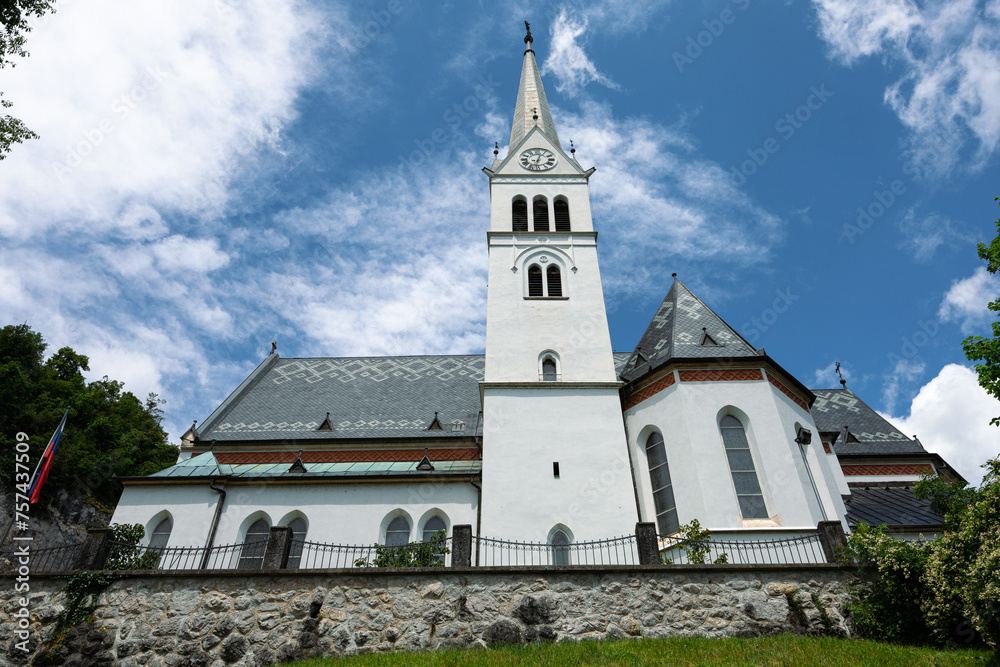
228,618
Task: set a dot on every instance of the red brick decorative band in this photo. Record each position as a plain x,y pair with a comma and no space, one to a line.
727,375
649,391
354,456
891,469
788,392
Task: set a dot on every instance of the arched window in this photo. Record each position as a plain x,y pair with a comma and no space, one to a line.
520,215
298,527
659,481
535,281
540,209
161,534
561,207
398,532
254,546
560,548
741,466
549,372
553,281
433,530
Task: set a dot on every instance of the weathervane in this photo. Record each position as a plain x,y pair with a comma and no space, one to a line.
843,382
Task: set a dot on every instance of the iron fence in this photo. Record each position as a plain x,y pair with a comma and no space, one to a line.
788,551
316,555
45,560
615,551
243,556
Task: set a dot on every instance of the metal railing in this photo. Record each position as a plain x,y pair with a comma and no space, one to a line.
243,556
60,558
317,555
615,551
788,551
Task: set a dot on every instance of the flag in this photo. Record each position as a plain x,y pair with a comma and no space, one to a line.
45,463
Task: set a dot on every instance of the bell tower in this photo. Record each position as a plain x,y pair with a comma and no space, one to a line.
555,455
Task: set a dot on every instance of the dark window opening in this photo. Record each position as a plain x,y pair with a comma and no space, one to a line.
298,528
254,546
549,370
562,215
560,548
535,281
741,466
398,532
555,468
520,215
540,208
554,281
659,481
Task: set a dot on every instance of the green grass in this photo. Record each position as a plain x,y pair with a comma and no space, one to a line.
781,650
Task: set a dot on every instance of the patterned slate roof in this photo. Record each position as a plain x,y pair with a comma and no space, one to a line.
205,465
892,506
367,397
836,408
677,331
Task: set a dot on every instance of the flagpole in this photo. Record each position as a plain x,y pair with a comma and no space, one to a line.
62,423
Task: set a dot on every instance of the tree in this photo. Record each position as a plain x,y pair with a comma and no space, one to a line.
109,431
14,26
987,350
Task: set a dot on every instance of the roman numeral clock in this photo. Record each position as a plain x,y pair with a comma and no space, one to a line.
538,159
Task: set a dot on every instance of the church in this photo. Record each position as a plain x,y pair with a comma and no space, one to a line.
549,437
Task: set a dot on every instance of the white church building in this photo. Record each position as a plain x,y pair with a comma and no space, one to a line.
548,437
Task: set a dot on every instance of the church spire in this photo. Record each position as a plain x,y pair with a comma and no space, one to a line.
532,107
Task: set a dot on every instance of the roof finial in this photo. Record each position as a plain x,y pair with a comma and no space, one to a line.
496,149
534,114
274,346
527,38
673,275
843,382
572,149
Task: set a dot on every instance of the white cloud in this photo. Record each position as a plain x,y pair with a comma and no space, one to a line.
951,415
967,299
949,50
827,377
923,235
567,60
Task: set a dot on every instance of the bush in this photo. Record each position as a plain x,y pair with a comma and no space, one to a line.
415,554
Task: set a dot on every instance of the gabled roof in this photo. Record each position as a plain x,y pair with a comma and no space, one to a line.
530,101
678,331
836,408
893,506
367,397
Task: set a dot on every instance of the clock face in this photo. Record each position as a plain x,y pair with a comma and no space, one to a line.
538,159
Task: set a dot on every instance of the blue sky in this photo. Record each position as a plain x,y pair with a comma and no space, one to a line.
212,177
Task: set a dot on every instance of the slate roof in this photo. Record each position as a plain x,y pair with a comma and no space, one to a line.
367,397
206,465
836,408
678,330
531,100
895,506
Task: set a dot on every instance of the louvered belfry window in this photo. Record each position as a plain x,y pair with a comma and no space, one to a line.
562,215
520,215
741,466
535,281
663,489
554,281
540,208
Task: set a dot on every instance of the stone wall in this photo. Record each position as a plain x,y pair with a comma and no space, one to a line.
228,618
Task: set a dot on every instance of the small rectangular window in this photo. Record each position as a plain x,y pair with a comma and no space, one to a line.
555,469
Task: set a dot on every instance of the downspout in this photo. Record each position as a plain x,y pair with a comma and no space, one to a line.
215,521
479,489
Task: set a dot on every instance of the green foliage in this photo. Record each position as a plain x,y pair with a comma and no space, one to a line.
987,350
415,554
696,543
888,597
14,17
125,553
109,431
824,617
81,591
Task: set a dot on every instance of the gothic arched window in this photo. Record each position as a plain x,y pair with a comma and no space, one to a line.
540,210
561,207
398,532
254,546
734,438
298,527
432,532
659,481
519,216
161,534
560,548
553,281
535,287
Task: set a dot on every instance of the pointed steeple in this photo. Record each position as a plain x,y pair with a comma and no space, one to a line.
684,327
532,108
